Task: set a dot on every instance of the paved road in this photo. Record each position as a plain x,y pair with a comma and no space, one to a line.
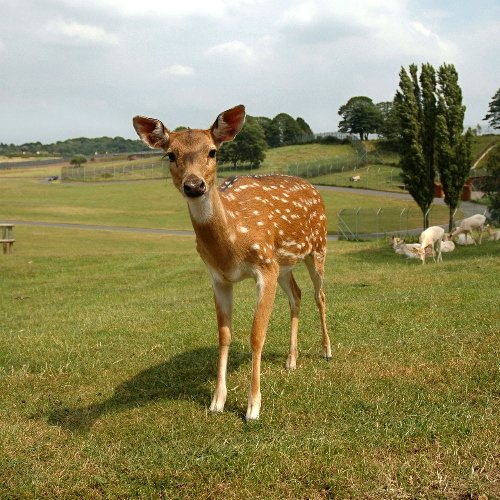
468,208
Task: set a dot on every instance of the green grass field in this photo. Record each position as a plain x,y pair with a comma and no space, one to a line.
108,353
157,205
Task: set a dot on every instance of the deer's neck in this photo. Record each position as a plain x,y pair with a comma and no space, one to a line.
215,230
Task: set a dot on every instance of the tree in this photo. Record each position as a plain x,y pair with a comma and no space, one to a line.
389,128
453,149
271,131
491,185
494,113
415,114
289,129
360,116
78,160
304,126
249,145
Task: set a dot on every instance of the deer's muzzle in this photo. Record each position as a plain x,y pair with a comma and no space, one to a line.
194,186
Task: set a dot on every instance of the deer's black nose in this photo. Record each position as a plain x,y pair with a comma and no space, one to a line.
194,186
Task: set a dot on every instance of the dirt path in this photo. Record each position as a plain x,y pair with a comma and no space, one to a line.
483,155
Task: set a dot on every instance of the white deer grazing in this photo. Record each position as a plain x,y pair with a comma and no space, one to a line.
494,235
468,225
252,226
432,235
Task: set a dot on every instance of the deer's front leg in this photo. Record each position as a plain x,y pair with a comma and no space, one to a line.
266,291
223,297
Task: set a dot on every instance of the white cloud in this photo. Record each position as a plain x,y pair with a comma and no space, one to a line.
359,13
178,70
421,29
176,9
235,49
384,30
79,34
3,48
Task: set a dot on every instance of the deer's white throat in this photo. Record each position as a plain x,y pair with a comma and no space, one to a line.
201,208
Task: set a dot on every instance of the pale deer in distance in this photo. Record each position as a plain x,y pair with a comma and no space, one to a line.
432,235
468,225
251,226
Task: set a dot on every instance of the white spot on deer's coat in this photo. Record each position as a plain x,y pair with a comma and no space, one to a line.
243,229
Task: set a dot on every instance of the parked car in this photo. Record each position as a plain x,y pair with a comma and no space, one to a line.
53,178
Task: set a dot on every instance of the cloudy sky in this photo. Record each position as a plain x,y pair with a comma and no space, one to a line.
73,68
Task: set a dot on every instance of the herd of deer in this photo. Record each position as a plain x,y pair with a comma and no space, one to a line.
251,226
434,241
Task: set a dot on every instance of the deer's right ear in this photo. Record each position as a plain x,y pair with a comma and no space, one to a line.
228,124
151,131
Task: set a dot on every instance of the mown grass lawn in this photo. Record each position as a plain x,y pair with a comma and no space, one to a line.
158,205
108,352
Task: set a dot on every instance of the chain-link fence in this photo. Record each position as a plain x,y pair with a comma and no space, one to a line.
361,223
99,173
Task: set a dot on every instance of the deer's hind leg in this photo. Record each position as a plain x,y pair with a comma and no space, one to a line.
289,285
316,267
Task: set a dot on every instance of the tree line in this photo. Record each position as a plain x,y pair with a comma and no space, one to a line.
70,147
262,131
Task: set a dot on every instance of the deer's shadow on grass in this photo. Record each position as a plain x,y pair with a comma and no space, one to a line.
183,377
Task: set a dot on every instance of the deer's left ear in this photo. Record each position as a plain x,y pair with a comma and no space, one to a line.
228,124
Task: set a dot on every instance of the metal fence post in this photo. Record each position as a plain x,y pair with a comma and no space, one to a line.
377,220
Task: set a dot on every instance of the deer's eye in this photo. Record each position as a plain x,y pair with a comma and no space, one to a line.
212,153
171,156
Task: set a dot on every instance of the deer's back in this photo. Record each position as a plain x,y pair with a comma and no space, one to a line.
276,216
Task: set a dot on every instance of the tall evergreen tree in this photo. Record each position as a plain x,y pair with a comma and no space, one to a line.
491,185
493,115
428,114
415,113
453,148
431,116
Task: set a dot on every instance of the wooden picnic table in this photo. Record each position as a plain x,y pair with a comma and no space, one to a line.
7,237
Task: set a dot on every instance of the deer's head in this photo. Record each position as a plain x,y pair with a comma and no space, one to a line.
192,153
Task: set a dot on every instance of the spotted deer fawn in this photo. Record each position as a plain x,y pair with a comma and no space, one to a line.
251,226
